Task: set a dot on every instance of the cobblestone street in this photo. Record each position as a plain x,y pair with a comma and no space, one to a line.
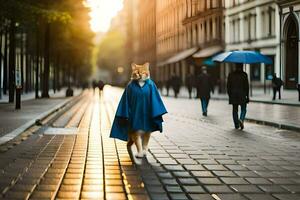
72,156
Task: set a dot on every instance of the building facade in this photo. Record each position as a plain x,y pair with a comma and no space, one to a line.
146,34
188,32
289,12
254,25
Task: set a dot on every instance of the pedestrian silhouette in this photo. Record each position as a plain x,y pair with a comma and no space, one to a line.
238,92
176,84
277,83
205,87
189,83
101,85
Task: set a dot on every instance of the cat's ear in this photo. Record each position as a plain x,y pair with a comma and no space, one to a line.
147,65
133,66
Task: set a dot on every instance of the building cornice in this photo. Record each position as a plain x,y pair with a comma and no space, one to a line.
286,3
203,14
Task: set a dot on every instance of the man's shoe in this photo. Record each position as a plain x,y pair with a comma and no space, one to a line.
204,114
241,124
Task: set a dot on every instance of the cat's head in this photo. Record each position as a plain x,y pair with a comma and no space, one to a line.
140,72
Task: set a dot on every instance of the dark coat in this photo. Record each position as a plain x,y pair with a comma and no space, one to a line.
277,83
190,81
204,86
176,83
238,88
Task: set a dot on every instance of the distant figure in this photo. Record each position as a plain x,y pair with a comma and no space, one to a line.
277,83
205,87
101,85
94,83
168,85
189,83
238,91
176,84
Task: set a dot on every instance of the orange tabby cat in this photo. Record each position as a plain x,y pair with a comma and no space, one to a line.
140,138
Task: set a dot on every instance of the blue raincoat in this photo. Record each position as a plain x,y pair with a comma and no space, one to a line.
140,108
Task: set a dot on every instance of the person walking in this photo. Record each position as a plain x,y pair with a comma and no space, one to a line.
205,87
238,92
277,83
176,84
189,83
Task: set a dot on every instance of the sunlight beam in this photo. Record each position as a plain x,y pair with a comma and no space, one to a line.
102,12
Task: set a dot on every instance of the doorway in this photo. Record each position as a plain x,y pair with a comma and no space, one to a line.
292,53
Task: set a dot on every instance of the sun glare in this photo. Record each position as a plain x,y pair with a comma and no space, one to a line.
102,11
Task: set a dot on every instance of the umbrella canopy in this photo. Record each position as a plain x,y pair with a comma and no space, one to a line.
245,57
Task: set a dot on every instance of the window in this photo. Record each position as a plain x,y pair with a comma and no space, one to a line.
255,72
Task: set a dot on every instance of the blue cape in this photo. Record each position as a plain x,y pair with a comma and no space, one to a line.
140,108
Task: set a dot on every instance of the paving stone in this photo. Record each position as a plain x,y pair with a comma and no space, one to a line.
215,167
224,173
236,167
245,188
287,196
209,162
260,197
201,197
218,188
164,175
178,196
292,188
174,167
180,174
258,181
169,181
157,196
187,181
209,181
272,189
92,195
246,173
202,173
155,189
232,181
230,197
42,194
193,167
114,196
173,189
194,189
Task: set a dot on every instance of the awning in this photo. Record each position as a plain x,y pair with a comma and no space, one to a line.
207,52
180,56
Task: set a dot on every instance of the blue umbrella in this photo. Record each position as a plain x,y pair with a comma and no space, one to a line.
245,57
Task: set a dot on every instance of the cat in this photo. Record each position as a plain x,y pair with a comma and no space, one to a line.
140,138
140,111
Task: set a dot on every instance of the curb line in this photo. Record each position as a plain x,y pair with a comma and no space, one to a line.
274,124
260,101
11,135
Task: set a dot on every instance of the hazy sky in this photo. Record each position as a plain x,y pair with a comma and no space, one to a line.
102,11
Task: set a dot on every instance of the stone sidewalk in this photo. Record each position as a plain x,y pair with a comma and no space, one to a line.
195,158
14,121
206,158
